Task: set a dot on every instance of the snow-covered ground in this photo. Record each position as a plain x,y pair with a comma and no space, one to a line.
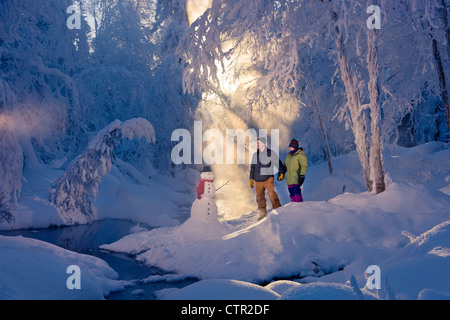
35,270
324,243
322,246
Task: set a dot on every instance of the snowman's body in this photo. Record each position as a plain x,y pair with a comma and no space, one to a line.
204,207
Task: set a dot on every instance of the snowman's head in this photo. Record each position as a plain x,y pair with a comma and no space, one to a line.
207,175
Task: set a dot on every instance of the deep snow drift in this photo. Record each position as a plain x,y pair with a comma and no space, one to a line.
322,246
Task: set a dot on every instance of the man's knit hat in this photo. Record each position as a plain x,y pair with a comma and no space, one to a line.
263,140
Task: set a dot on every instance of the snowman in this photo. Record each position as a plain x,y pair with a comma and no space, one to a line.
204,207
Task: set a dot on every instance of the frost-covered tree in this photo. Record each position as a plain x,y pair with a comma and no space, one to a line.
39,101
70,83
11,166
358,116
425,67
72,193
5,209
299,65
123,36
318,112
375,112
273,37
438,15
226,31
361,79
378,70
135,74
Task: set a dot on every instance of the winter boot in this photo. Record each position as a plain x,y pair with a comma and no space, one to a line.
262,214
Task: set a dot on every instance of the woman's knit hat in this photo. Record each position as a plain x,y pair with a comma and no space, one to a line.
294,144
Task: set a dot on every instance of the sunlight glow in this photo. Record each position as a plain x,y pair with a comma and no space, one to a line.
227,106
3,121
33,120
195,8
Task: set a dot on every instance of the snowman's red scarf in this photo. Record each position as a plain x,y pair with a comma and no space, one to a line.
201,187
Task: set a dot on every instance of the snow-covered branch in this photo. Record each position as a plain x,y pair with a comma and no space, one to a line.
11,163
72,193
5,209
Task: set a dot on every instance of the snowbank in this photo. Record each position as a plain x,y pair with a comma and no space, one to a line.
224,289
316,239
421,266
219,289
323,246
35,270
159,201
415,271
294,239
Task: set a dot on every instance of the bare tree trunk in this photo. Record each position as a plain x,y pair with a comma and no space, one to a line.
375,113
437,57
442,81
359,127
5,209
440,69
445,19
321,125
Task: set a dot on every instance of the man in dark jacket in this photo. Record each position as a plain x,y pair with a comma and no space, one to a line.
262,176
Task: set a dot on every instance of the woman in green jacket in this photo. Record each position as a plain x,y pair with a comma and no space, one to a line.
296,164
